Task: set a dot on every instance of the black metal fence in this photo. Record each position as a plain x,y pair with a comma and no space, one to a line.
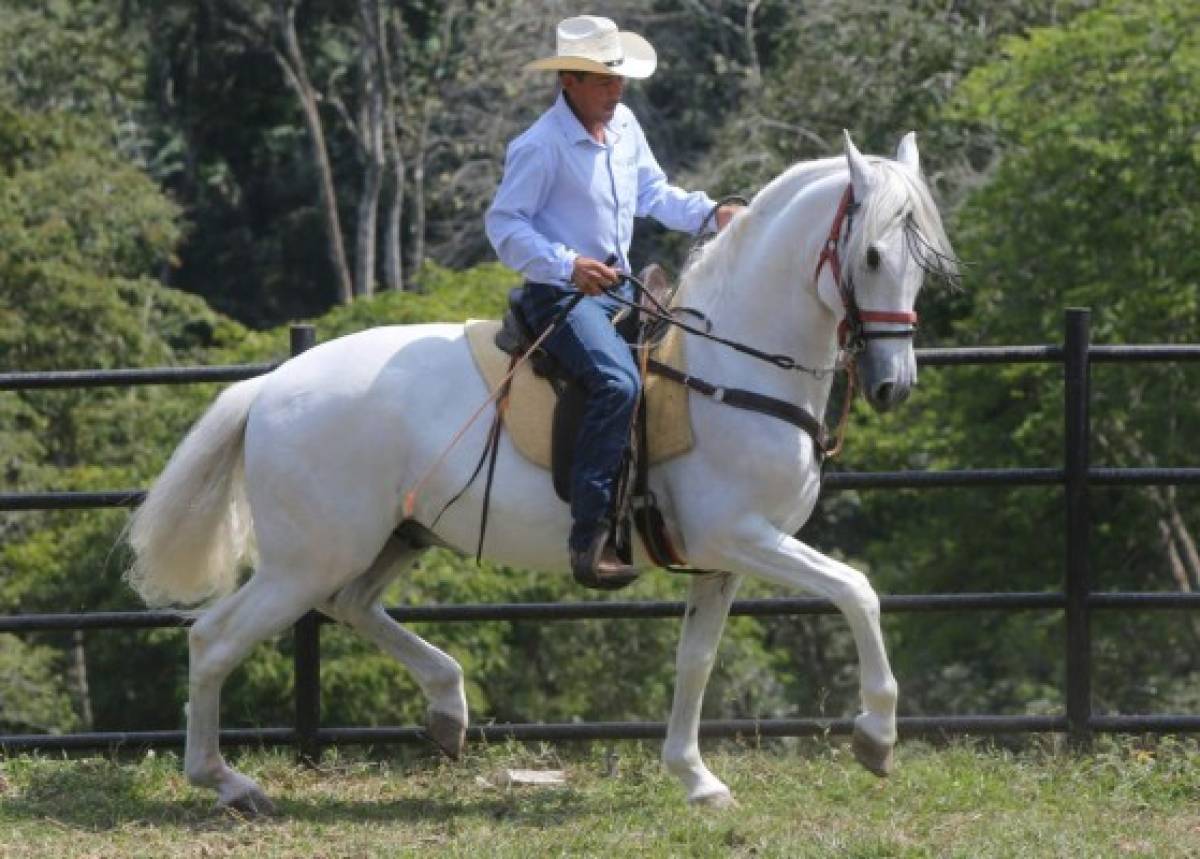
1076,600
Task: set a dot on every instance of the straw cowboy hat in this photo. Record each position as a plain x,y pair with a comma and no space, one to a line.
589,43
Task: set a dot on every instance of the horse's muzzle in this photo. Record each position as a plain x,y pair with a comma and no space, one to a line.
887,371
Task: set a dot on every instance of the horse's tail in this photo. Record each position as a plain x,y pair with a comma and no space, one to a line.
193,529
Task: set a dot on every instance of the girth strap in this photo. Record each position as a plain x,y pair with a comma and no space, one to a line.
752,402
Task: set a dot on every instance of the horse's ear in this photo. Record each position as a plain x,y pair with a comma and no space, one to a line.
861,173
906,152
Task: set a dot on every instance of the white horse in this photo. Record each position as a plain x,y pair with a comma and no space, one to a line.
322,451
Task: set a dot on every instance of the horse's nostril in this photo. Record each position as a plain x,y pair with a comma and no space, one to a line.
883,393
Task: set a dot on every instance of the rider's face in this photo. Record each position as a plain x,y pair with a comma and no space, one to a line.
595,97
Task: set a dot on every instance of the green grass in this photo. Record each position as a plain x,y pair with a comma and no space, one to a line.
805,799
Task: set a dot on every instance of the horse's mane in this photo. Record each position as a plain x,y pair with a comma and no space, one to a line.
901,193
904,194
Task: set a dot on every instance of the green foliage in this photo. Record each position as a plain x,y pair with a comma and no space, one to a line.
444,296
875,68
1094,202
71,56
67,196
80,230
1097,200
30,699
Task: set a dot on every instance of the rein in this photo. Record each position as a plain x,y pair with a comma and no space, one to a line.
664,315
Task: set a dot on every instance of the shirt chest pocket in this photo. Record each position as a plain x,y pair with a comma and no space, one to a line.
625,180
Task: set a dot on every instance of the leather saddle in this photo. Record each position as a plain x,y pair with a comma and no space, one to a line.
516,336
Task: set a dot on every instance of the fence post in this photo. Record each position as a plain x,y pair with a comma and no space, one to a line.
1077,433
306,635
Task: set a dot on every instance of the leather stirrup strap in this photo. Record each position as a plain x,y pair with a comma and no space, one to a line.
647,517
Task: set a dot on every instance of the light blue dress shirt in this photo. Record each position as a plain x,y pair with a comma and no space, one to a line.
564,194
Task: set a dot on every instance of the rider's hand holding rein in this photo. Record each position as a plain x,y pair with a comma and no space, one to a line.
592,277
725,213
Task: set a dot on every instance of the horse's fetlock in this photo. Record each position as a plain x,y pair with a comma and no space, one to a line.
881,697
446,678
680,759
203,773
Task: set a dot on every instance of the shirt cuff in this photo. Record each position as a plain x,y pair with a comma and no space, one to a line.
567,265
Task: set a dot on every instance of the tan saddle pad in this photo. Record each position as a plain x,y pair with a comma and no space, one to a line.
531,401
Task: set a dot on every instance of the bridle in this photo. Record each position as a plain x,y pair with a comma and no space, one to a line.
852,331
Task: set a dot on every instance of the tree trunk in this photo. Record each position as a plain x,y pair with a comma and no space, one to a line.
295,72
370,137
1174,562
368,219
79,681
1182,538
1183,557
417,258
450,14
393,262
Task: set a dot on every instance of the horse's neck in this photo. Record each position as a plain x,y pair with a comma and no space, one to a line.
759,288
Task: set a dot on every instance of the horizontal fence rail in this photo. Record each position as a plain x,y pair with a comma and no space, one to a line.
640,610
1077,599
127,378
909,726
834,480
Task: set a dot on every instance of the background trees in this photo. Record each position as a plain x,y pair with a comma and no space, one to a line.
1091,201
163,199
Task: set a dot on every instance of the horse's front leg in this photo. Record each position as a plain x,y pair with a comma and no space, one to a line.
707,607
761,549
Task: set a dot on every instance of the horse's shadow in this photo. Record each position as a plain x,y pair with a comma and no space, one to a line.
110,797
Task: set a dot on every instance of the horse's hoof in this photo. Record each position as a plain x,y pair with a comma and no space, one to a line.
251,803
877,757
718,801
447,733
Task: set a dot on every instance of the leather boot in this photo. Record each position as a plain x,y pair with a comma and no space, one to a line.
598,566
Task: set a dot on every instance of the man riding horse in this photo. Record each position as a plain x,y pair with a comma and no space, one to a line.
563,217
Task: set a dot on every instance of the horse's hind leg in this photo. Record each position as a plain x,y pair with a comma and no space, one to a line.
437,673
707,607
219,641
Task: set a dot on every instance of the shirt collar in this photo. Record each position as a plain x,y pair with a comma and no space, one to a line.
573,130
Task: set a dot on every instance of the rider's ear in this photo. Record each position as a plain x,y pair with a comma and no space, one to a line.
861,173
906,152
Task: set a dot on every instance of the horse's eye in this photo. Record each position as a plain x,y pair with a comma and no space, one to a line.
873,258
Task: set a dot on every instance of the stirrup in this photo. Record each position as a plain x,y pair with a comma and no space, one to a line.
592,569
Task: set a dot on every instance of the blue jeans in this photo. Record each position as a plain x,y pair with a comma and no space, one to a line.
592,352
